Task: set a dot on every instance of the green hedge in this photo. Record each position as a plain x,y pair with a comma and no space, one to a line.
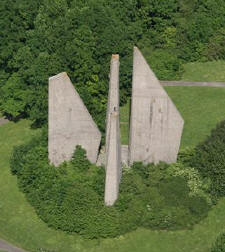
219,245
209,160
71,196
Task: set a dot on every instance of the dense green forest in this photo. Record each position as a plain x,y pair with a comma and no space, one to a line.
40,38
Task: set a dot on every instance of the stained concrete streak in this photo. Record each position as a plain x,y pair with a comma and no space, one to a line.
156,125
70,123
4,245
113,146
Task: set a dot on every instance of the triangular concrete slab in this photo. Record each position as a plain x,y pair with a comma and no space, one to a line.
113,146
156,125
70,123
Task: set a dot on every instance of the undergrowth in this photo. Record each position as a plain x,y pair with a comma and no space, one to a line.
71,197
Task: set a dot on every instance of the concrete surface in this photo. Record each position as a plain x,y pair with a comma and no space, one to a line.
156,125
101,157
5,246
113,147
70,123
124,156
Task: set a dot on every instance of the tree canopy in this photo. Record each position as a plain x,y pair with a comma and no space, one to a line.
40,38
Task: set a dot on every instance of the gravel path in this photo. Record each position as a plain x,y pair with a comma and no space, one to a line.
187,83
5,246
3,120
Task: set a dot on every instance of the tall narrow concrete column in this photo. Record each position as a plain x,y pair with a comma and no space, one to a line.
156,125
70,123
113,146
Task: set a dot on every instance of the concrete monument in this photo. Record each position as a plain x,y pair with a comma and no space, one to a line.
156,125
113,147
70,123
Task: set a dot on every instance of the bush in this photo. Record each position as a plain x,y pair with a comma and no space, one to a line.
216,46
165,63
209,160
196,184
185,155
71,196
219,245
169,197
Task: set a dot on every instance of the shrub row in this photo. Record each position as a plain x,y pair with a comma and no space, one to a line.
209,160
71,196
219,245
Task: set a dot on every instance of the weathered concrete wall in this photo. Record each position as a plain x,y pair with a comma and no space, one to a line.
124,156
113,147
70,123
156,125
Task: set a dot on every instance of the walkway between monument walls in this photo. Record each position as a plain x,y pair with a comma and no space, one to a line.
192,84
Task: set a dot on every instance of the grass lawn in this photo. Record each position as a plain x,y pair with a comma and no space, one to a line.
20,225
207,71
201,107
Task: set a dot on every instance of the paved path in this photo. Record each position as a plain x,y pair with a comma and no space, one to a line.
187,83
3,120
5,246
